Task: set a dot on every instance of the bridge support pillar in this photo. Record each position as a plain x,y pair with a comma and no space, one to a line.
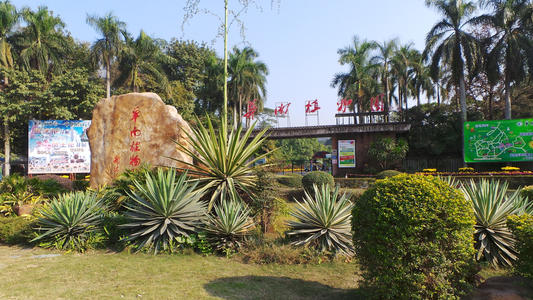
334,156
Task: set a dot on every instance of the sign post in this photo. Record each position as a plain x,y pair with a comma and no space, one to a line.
346,153
498,141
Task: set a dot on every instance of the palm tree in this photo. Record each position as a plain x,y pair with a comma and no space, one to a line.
510,45
360,81
9,17
450,44
247,80
106,48
421,81
141,58
384,57
42,42
402,66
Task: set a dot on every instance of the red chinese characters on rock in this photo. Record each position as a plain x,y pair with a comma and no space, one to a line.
376,103
135,146
311,106
282,109
251,109
116,161
343,104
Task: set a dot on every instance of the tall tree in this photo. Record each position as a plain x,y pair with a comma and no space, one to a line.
449,43
402,64
384,57
510,50
141,58
247,80
360,79
107,47
8,19
42,42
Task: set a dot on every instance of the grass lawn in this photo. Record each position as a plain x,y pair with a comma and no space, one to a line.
102,275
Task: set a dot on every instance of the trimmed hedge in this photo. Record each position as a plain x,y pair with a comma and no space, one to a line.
414,238
290,180
387,173
522,228
16,230
317,177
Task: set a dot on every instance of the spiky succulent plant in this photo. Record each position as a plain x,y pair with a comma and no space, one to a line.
228,225
69,220
492,204
323,220
162,208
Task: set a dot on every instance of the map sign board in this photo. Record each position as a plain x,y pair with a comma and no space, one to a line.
346,153
58,146
498,141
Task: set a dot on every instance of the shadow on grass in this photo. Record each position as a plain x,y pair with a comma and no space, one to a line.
269,287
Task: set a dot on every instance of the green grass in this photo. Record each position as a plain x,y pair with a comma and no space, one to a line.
106,275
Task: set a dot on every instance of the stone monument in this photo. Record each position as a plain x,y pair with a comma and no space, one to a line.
134,129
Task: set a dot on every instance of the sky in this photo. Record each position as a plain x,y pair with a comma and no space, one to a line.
297,39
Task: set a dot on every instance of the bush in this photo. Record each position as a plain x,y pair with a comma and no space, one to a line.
16,230
387,173
71,222
413,235
317,178
80,185
522,228
65,183
291,180
527,192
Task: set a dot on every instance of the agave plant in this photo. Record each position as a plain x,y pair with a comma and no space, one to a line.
492,204
162,208
229,225
323,220
225,161
69,220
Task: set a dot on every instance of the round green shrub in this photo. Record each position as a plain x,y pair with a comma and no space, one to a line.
387,173
16,230
522,228
414,238
317,177
291,180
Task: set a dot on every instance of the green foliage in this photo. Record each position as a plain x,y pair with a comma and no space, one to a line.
492,204
323,221
291,180
279,253
317,178
162,208
388,151
16,230
224,160
71,221
387,173
527,192
522,228
229,225
298,150
80,185
262,202
413,236
117,194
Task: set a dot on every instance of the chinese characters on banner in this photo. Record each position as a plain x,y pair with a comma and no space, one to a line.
376,103
343,104
282,109
135,145
311,107
251,109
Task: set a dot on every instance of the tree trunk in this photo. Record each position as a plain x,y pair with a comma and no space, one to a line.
490,105
240,111
438,95
235,119
462,99
7,148
507,96
108,77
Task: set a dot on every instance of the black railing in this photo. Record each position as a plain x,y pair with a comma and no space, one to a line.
369,117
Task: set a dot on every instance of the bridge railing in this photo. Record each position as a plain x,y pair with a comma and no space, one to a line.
369,117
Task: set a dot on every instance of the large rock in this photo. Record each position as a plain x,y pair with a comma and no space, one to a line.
131,130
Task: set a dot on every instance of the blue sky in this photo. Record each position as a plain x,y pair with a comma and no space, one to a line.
297,39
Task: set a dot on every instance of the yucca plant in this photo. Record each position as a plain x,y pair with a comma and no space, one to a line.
492,204
224,159
162,208
323,221
69,220
229,224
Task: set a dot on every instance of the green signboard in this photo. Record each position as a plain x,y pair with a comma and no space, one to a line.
499,141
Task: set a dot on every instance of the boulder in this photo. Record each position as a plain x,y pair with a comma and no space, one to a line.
131,130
